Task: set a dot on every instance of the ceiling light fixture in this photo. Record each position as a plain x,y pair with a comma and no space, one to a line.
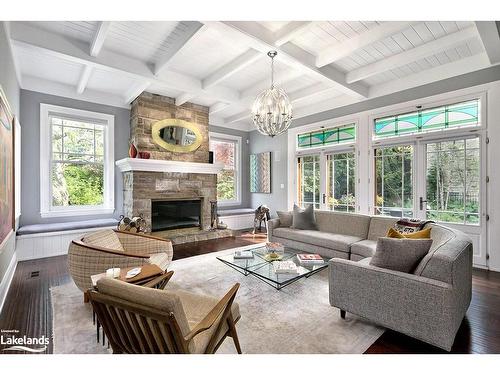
272,110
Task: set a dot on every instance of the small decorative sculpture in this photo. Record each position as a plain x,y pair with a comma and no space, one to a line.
135,225
214,218
261,215
132,151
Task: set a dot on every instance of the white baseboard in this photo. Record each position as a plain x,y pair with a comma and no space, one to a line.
242,221
50,244
7,279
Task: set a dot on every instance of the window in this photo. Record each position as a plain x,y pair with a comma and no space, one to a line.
426,120
308,180
341,180
453,181
76,162
226,150
325,137
394,181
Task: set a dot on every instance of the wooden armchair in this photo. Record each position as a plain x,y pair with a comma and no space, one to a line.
140,320
95,252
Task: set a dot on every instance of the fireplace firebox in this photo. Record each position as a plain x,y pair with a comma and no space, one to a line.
175,214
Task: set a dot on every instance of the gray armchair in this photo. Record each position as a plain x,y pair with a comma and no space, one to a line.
428,304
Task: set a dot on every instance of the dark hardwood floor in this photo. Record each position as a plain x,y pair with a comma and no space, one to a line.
28,306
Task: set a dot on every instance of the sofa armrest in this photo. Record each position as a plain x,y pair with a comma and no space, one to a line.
273,224
418,306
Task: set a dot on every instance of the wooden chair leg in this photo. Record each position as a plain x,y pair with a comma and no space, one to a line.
234,335
86,297
342,314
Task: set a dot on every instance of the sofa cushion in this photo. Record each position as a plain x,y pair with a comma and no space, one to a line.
365,248
400,254
286,218
343,223
104,238
379,225
340,242
303,218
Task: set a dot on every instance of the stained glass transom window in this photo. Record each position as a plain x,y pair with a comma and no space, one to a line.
425,120
325,137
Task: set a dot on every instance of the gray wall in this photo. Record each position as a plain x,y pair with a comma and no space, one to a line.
30,148
245,163
9,84
278,146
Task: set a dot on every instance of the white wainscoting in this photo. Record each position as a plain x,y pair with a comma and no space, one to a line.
242,221
7,279
50,244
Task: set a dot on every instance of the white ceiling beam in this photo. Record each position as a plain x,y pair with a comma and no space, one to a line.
68,91
257,36
217,107
53,44
84,79
490,37
99,37
452,69
280,78
444,43
136,90
351,45
192,28
183,98
290,31
232,67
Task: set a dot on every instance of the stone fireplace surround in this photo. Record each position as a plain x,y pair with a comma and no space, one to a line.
169,175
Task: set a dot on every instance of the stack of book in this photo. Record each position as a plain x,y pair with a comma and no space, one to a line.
243,254
310,259
285,267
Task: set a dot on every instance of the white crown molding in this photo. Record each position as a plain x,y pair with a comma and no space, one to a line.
151,165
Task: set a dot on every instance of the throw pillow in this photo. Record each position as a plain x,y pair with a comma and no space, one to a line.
104,238
286,218
424,233
303,219
400,254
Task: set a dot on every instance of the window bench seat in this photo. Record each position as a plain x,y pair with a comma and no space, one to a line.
47,240
238,218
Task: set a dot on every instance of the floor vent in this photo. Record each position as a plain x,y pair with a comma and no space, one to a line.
34,274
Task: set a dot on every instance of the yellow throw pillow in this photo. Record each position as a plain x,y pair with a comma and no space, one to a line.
424,233
393,233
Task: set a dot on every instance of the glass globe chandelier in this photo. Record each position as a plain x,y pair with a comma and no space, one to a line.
272,110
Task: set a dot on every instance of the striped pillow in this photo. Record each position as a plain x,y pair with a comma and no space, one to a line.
104,238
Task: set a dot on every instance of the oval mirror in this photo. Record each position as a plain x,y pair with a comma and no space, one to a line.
176,135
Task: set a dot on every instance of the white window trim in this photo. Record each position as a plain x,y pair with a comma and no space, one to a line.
46,209
237,139
294,152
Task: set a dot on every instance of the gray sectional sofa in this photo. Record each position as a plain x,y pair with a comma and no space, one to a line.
428,304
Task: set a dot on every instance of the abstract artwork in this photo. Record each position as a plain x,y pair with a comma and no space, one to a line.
260,173
6,169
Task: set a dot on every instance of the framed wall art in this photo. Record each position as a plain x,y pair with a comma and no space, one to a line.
6,169
260,173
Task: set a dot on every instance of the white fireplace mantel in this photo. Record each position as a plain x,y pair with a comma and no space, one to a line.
151,165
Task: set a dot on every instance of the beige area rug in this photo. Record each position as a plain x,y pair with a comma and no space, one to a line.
296,319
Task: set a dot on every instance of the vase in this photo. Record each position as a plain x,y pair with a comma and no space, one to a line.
132,151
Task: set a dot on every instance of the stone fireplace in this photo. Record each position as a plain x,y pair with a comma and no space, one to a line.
168,176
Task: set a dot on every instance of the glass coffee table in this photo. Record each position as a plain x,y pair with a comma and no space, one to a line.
261,266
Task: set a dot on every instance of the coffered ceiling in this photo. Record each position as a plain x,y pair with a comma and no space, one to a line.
223,65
